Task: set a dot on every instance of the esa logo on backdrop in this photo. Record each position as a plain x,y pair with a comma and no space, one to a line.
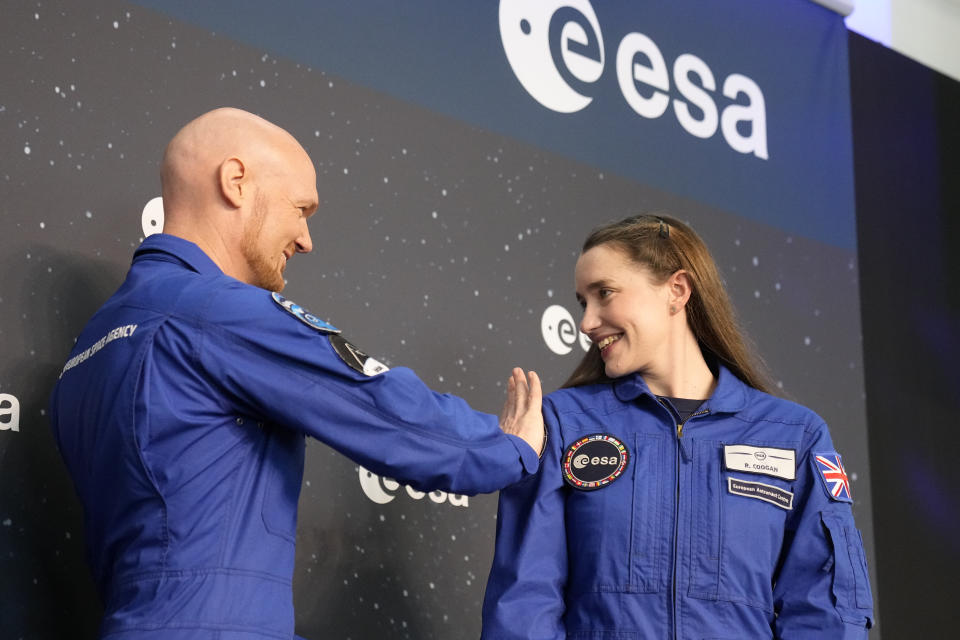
560,331
384,490
556,50
9,412
151,220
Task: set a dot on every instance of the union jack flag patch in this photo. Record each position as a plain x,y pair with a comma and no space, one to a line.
834,476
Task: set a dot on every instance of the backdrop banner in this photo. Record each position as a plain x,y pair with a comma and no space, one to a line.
464,150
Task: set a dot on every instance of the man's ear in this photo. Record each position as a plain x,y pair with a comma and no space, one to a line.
680,289
233,182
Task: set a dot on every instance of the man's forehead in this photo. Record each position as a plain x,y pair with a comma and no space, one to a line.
287,158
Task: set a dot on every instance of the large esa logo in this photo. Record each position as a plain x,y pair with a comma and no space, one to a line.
546,41
560,332
9,412
556,50
384,490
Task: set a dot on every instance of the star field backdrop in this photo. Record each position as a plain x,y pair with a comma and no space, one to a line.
454,194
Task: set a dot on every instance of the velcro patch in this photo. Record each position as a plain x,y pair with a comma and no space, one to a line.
768,461
356,359
766,492
594,461
834,476
303,315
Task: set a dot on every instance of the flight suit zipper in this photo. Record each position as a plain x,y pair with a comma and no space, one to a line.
676,523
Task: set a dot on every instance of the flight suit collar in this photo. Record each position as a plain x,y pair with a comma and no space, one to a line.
729,396
173,248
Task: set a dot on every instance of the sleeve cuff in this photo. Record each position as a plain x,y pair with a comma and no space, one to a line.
531,463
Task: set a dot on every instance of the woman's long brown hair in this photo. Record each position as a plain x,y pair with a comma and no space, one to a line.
665,245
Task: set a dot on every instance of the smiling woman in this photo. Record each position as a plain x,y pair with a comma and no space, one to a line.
629,315
658,259
676,497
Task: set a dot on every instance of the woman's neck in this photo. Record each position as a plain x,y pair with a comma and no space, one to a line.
683,373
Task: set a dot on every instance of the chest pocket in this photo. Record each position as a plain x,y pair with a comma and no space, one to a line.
615,534
283,471
735,539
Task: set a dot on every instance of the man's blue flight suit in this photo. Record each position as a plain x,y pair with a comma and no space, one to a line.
181,415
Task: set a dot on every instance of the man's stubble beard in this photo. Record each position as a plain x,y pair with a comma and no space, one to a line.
264,273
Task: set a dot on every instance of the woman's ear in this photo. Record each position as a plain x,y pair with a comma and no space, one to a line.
679,290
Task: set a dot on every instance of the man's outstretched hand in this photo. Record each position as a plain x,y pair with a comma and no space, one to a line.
521,415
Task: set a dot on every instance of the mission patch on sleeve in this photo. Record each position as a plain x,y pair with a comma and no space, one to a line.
833,476
355,358
303,315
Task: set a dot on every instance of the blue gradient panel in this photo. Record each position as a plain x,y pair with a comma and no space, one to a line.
448,57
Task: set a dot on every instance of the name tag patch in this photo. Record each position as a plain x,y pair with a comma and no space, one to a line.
769,461
766,492
594,461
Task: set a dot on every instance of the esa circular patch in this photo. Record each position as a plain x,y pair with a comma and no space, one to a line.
303,315
594,461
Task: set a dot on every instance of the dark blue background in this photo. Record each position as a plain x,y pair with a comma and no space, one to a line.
447,56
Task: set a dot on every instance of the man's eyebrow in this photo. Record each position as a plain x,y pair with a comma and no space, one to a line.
306,203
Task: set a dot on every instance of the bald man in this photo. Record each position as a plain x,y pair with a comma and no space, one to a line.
182,412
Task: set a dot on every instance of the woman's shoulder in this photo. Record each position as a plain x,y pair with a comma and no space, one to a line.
580,398
761,405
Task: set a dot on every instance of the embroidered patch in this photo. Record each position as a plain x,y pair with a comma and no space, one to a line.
769,461
766,492
356,359
594,461
834,476
303,315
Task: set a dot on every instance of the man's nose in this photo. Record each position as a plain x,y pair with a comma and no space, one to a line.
304,243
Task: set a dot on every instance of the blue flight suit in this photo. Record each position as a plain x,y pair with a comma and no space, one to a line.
700,537
181,416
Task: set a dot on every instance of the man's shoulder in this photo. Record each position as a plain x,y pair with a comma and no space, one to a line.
231,305
181,291
225,302
217,303
220,292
